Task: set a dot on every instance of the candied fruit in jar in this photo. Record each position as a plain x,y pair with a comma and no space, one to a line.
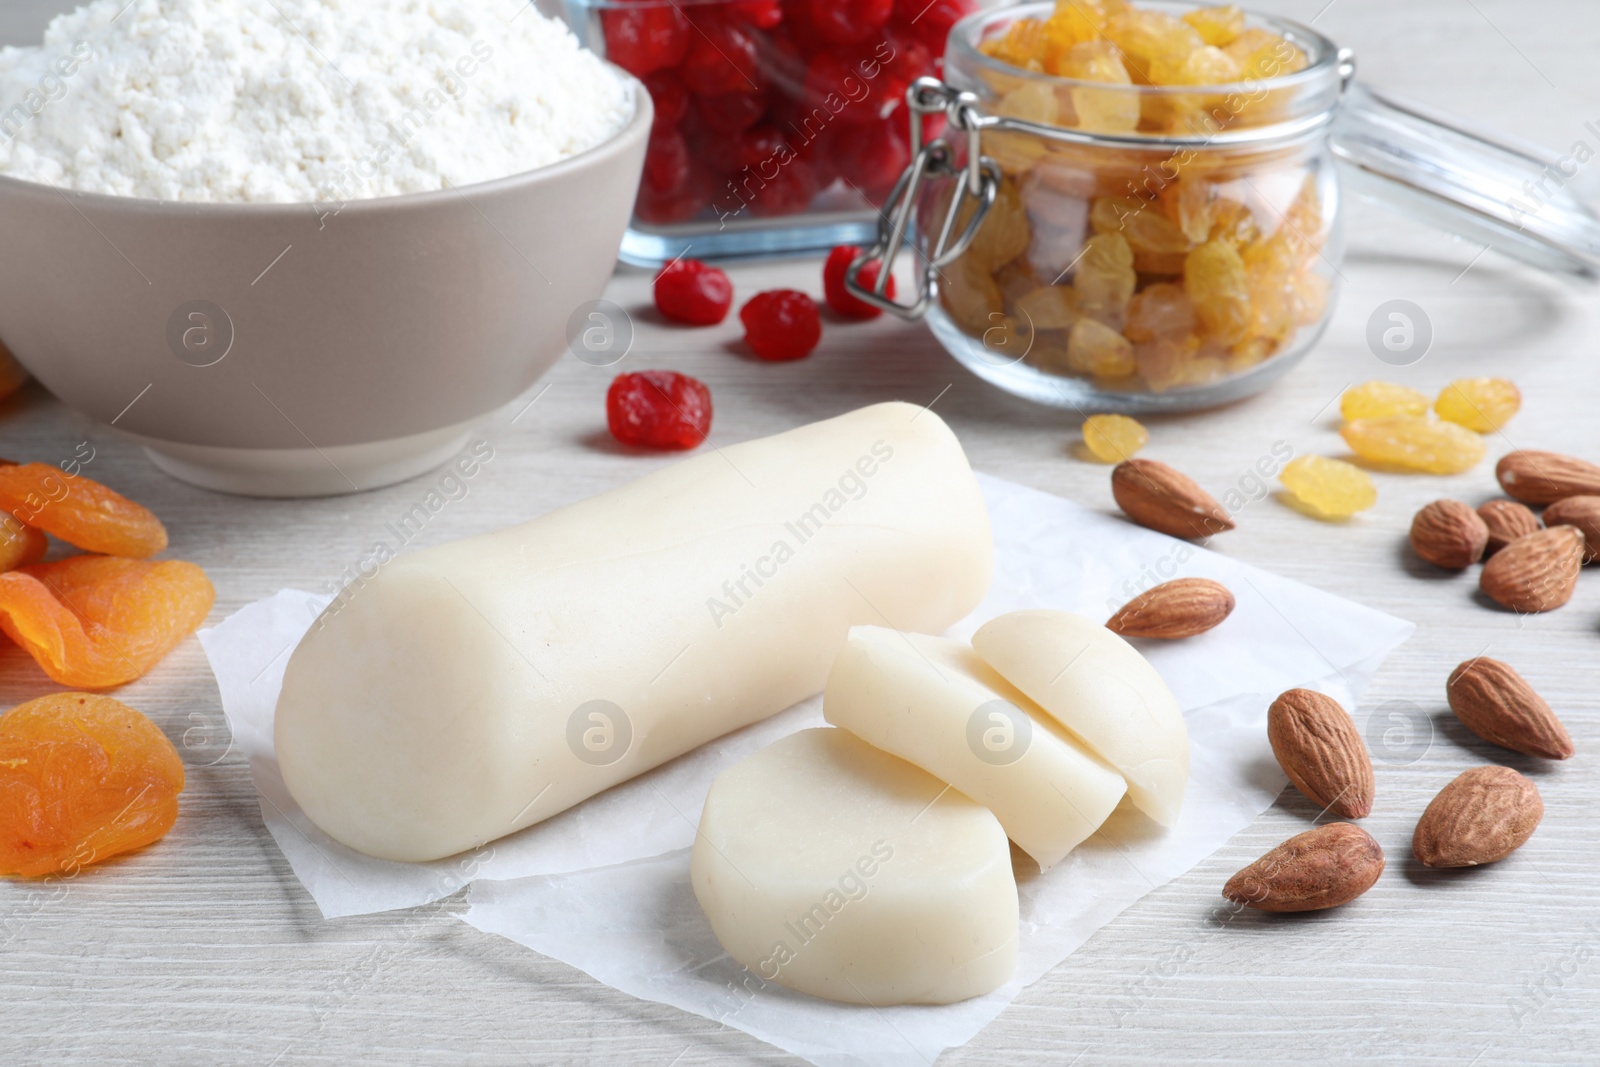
1218,26
1141,222
970,295
1215,278
1328,488
1023,45
1095,349
1050,307
1154,43
1005,233
1375,400
100,621
1207,65
848,21
79,510
1482,405
1105,278
1410,443
1113,438
83,778
644,38
1265,55
1099,110
1160,310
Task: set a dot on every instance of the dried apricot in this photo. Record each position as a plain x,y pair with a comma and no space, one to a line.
80,511
1329,488
1113,438
20,545
101,621
1415,444
1482,405
1374,400
82,778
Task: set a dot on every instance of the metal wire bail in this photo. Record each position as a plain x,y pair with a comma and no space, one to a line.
935,160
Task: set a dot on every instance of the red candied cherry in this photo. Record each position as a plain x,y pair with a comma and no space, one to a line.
931,22
732,112
800,28
721,59
659,409
670,97
788,192
641,38
849,21
839,298
762,14
663,206
781,325
871,158
666,161
693,292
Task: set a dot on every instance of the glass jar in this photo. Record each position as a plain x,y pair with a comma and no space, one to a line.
1137,247
780,124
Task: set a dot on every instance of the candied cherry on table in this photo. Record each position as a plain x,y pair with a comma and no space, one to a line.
693,292
79,510
82,778
659,409
781,325
833,287
645,37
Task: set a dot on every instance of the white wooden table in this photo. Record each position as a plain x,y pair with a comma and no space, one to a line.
205,949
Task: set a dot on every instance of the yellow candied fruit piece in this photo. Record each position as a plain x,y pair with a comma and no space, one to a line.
1219,26
1050,307
1415,444
1207,65
1155,43
1376,400
1073,22
1157,311
1105,279
1265,55
1482,405
1022,45
1113,438
1096,349
1329,488
1215,278
1146,229
1099,110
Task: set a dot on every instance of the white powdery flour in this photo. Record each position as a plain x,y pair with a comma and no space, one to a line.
292,101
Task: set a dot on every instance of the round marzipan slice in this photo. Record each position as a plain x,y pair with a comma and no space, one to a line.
837,870
933,702
1104,692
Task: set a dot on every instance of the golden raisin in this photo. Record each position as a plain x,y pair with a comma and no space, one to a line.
1414,444
1113,438
82,778
1100,110
1328,488
99,621
1219,26
80,511
1105,279
1214,276
1482,405
1374,400
1096,349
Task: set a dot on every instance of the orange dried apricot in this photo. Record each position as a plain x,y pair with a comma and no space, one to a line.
101,621
82,778
20,545
80,511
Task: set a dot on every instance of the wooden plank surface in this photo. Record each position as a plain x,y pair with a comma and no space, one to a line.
206,949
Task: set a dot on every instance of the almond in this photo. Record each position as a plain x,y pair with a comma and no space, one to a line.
1318,869
1545,477
1507,520
1182,607
1495,702
1536,572
1582,512
1484,815
1449,534
1319,748
1155,495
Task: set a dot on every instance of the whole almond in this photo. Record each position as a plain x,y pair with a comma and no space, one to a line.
1484,815
1155,495
1321,751
1321,868
1545,477
1536,572
1182,607
1449,534
1507,520
1582,512
1495,702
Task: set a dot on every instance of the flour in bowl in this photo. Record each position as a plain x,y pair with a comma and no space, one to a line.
289,101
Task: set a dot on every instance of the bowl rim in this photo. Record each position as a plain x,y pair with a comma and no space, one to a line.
637,127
